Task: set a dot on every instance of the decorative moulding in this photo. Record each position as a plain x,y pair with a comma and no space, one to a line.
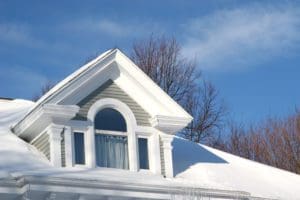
47,114
169,124
113,64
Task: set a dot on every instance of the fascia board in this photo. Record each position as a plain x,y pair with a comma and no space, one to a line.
44,116
137,92
66,111
150,86
80,79
86,84
76,74
27,122
161,101
159,190
108,55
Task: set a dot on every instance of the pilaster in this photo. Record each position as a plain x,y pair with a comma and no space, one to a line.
54,132
68,146
167,148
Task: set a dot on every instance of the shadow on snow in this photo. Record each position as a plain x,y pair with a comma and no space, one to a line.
186,154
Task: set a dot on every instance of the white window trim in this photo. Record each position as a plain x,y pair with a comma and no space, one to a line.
106,132
73,148
131,131
148,150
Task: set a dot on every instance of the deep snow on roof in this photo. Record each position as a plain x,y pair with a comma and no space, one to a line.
16,154
209,167
194,165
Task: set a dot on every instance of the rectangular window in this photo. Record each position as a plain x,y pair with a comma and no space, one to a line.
111,151
79,148
143,153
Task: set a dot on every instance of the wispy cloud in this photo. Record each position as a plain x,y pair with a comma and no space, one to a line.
22,81
19,34
112,27
241,37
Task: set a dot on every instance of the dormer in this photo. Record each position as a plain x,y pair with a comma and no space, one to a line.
107,114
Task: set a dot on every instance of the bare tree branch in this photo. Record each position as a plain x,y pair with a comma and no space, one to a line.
274,142
44,89
161,59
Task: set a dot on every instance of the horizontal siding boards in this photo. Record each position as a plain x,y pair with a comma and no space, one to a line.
43,145
63,154
110,90
162,158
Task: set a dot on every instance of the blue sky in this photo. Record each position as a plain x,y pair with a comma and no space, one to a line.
248,49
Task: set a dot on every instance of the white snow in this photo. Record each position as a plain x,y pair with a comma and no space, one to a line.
16,154
194,165
13,110
204,166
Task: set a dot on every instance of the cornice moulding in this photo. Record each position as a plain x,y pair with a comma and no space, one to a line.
43,117
169,124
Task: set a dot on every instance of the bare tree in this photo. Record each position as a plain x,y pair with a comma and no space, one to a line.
208,113
179,77
275,142
44,89
161,60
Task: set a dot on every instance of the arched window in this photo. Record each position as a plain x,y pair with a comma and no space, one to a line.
111,120
111,139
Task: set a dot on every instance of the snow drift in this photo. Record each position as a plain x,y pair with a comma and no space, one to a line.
195,165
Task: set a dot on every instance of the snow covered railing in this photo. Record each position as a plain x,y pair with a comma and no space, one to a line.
188,193
29,187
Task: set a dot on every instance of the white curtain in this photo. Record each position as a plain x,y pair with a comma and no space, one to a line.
111,151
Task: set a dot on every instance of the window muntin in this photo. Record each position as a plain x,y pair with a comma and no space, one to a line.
79,148
111,120
143,153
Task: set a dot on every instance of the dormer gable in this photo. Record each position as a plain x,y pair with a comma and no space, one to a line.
63,124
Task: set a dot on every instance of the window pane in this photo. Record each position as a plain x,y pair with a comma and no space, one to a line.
143,153
79,148
111,151
110,119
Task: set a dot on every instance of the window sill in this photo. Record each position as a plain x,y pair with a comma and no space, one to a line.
80,166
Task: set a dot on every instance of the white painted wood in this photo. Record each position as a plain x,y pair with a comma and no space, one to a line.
54,132
116,66
131,129
155,154
68,146
57,107
90,153
167,148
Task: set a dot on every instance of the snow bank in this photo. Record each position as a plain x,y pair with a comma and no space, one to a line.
194,165
203,166
12,111
15,154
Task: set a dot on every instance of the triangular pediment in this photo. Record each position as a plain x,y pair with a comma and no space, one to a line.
144,97
111,90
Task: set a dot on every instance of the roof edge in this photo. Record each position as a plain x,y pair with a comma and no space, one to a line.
65,82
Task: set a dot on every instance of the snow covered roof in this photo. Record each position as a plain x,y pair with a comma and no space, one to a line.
209,167
195,165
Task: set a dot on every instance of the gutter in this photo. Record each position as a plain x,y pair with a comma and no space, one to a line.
22,185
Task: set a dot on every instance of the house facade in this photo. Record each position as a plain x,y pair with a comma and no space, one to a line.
107,131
